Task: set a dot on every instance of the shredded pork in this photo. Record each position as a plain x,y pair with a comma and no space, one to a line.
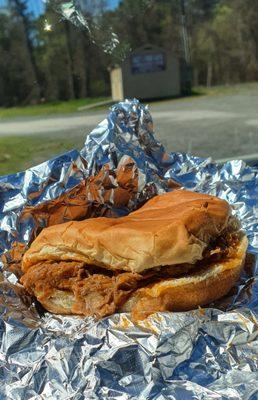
101,292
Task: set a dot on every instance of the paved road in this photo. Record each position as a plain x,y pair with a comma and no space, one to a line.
223,126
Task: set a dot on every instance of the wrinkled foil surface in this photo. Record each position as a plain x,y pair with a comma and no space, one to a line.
208,353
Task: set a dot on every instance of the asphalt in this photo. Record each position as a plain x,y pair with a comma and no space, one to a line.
221,126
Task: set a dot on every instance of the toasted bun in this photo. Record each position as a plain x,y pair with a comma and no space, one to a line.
172,228
186,293
178,294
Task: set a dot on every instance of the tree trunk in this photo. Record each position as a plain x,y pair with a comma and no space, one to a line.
209,74
88,57
71,78
19,9
196,76
88,81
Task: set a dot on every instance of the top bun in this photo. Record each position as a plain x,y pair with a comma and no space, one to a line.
171,228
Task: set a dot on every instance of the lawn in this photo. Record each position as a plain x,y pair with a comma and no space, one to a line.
21,152
220,90
225,89
59,107
71,106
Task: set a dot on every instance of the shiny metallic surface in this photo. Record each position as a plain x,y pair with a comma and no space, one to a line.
100,34
203,354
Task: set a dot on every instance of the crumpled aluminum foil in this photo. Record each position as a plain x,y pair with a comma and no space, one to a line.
89,17
203,354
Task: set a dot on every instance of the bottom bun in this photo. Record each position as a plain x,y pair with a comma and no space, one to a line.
199,288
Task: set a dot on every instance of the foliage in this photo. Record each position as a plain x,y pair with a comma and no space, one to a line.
45,59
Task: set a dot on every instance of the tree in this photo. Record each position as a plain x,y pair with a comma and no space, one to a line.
71,60
223,43
18,78
20,13
54,59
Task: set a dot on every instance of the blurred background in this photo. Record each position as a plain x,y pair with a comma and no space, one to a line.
63,63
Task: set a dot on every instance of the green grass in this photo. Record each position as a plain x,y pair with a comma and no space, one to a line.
71,106
60,107
18,153
225,89
21,152
202,91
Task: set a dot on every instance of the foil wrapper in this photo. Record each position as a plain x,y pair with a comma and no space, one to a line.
89,16
208,353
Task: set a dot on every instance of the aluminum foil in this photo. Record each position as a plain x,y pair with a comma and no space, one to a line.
203,354
89,16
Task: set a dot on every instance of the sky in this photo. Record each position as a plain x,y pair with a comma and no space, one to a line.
37,6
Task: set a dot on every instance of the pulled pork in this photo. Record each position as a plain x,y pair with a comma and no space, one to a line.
97,291
100,292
